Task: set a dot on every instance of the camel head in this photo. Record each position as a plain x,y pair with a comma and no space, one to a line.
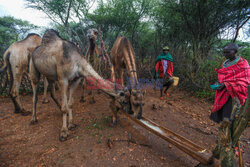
92,34
133,102
137,102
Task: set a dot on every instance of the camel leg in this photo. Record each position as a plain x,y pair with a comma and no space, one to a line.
64,131
34,87
72,88
45,97
11,80
52,94
112,74
34,77
83,84
17,78
121,79
114,110
92,98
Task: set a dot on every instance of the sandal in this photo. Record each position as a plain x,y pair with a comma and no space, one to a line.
236,149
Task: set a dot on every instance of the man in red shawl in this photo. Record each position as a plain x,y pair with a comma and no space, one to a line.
164,70
231,93
234,78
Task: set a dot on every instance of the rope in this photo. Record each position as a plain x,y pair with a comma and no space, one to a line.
103,49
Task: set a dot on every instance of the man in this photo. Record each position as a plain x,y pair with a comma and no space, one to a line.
164,70
233,82
231,93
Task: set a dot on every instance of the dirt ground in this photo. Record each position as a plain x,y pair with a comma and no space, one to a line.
22,144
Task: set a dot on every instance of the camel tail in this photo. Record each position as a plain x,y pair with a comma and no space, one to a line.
6,57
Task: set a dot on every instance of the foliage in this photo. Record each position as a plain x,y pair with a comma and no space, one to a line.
193,29
11,30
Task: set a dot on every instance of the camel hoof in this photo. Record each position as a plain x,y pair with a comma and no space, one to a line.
129,111
45,101
63,136
139,116
17,111
72,127
82,100
114,123
33,122
25,113
62,139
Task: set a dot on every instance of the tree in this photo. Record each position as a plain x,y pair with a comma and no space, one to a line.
121,17
194,26
62,12
11,30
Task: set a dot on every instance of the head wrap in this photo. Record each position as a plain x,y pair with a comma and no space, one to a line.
165,48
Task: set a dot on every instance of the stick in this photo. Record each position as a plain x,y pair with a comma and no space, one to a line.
240,155
103,48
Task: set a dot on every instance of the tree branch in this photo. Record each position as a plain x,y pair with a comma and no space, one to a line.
239,27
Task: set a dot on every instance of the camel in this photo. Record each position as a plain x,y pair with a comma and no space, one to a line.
91,55
93,49
123,57
60,61
16,60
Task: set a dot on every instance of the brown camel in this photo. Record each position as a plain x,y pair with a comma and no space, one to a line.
93,50
59,60
91,55
123,57
16,60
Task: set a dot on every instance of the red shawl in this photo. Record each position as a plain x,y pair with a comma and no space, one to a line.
236,79
160,68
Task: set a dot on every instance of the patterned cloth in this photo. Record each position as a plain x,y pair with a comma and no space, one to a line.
236,79
228,63
161,67
165,65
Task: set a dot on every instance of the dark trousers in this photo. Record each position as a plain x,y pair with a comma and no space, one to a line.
223,113
167,82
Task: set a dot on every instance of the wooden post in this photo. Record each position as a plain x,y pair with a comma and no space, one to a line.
241,123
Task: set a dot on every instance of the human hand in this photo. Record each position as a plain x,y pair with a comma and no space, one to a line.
221,86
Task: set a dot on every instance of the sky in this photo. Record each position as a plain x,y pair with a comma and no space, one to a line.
17,9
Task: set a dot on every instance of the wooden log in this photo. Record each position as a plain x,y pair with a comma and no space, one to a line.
241,123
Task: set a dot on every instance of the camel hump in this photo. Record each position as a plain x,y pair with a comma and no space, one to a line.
50,35
30,35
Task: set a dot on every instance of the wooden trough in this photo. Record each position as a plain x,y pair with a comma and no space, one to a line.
200,154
